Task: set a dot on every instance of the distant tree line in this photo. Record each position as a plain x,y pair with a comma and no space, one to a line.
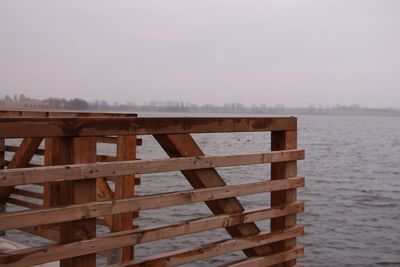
180,106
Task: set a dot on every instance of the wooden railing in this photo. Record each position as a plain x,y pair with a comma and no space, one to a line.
76,194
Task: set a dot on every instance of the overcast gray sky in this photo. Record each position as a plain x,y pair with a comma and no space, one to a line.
295,53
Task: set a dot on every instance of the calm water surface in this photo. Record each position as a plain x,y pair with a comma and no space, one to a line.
352,192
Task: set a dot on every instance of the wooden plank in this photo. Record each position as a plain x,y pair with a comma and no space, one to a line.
27,193
52,252
276,258
279,171
79,192
21,159
59,127
12,220
124,188
119,168
214,249
183,145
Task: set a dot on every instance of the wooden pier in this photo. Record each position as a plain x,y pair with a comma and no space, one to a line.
77,189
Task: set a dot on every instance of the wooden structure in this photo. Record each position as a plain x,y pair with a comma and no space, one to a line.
78,189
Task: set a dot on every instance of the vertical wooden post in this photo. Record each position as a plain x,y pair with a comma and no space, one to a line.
76,192
124,188
57,151
281,140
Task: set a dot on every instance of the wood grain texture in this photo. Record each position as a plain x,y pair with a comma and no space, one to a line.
20,219
79,192
49,253
80,126
188,255
119,168
183,145
280,171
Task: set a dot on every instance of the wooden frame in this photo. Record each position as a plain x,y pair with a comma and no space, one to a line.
76,193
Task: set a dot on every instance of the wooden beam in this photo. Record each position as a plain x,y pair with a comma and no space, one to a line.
48,253
59,127
214,249
283,140
119,168
276,258
183,145
20,219
21,159
79,192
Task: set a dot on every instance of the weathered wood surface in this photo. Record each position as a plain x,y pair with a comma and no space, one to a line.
52,252
214,249
276,258
280,171
119,168
12,220
59,127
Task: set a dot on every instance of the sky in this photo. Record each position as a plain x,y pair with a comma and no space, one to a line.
295,53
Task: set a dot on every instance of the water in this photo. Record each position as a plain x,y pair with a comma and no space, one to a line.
352,192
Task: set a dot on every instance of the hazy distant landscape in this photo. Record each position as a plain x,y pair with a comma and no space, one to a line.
22,102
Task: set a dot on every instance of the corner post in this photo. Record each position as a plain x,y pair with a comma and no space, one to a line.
283,140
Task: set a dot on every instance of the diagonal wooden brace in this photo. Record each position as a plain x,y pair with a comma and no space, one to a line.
183,145
21,159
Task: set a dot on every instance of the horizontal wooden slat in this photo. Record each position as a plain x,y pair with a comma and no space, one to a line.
214,249
23,203
57,127
11,177
49,253
27,193
14,220
291,254
9,148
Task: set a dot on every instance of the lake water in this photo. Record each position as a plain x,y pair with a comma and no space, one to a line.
352,192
